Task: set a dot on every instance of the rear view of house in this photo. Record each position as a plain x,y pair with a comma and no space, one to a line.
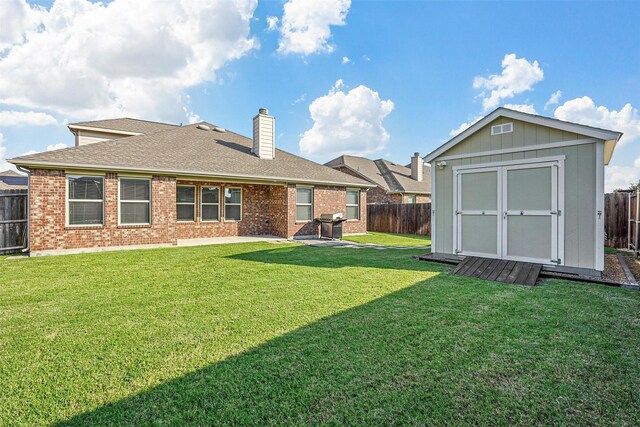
393,183
522,187
134,182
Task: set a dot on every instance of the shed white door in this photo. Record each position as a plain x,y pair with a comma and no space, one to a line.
530,213
478,212
509,212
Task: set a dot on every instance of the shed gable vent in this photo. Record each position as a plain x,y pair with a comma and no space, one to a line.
500,129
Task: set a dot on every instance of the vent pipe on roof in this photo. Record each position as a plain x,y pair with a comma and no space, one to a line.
417,167
264,135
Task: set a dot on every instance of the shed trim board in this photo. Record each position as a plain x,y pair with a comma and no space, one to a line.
610,137
520,149
599,234
502,213
433,206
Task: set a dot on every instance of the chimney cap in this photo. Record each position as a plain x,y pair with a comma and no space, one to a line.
416,154
263,111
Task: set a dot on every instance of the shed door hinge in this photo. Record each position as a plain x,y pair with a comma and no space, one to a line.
557,261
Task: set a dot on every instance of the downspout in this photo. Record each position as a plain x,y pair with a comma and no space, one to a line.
28,172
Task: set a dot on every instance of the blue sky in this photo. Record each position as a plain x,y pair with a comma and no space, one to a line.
407,84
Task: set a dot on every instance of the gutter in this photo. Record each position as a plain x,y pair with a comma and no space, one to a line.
48,165
28,172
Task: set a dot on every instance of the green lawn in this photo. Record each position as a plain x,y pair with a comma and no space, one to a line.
272,334
390,239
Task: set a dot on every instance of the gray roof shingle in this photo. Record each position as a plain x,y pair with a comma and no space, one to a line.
189,151
127,124
385,174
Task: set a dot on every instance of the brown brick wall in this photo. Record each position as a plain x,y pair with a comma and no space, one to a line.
265,210
48,230
255,221
326,200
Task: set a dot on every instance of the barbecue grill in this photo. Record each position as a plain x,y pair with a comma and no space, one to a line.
331,225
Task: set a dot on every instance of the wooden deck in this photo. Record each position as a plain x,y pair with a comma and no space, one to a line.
523,273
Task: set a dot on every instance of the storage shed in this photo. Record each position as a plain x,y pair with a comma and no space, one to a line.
522,187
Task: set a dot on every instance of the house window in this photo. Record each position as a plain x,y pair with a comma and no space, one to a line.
86,200
304,204
411,198
232,204
135,201
353,204
186,202
210,204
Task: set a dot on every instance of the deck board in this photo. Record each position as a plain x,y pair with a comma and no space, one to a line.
499,270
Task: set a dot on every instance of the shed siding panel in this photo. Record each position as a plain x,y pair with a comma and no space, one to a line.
579,192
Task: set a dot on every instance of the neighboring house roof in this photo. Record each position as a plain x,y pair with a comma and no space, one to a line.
11,173
125,124
12,180
385,174
5,186
610,137
190,151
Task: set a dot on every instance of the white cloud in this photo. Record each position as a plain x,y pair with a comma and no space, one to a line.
518,75
58,146
464,126
3,152
17,18
299,99
345,60
584,111
366,58
525,108
554,99
272,23
347,123
26,118
305,27
126,57
621,177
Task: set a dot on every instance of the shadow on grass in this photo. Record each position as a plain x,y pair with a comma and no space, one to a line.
421,355
367,364
336,257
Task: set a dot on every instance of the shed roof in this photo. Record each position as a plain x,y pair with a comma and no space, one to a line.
190,151
608,136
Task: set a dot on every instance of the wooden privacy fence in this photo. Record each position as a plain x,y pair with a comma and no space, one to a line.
616,224
13,220
400,218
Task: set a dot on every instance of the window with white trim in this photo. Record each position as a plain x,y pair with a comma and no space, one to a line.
186,202
209,204
85,200
353,204
135,201
233,204
304,203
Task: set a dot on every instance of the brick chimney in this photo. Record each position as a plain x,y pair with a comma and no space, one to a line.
264,135
417,167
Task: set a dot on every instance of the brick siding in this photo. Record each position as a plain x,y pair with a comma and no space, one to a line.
266,209
47,214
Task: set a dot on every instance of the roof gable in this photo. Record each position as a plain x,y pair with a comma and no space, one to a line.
610,137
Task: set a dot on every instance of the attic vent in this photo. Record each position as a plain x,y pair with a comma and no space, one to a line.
500,129
203,127
219,129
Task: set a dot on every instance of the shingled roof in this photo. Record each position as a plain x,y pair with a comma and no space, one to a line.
385,174
190,151
126,124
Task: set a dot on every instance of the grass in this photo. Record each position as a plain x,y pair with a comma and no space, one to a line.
266,334
390,239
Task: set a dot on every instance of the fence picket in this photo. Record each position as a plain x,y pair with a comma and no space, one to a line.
401,218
